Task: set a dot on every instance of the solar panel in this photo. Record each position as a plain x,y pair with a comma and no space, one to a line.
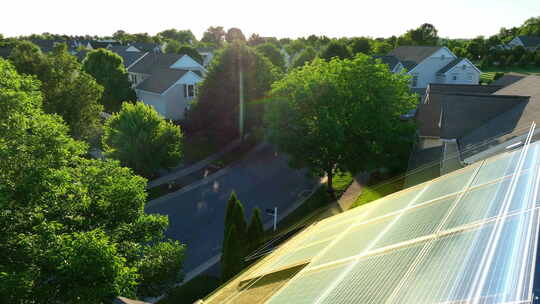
469,236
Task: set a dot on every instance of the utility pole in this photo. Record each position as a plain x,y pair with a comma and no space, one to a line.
273,212
241,101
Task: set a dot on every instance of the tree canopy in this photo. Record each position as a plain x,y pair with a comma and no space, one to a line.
141,139
426,34
71,229
217,108
306,56
270,51
234,34
335,49
109,71
67,89
341,115
180,36
360,45
214,35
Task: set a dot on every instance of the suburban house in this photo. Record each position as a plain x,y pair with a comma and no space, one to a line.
530,43
167,82
431,64
459,125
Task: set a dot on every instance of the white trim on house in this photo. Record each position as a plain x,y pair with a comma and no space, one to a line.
187,63
182,80
134,62
459,63
442,47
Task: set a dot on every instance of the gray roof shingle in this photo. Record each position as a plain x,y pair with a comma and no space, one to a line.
161,80
391,61
450,65
508,79
530,41
410,56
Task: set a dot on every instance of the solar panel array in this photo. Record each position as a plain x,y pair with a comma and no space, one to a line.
470,236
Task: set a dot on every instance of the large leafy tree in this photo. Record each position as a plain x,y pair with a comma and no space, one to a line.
181,36
270,51
217,108
234,34
335,49
214,35
531,27
141,139
67,89
341,115
426,34
360,45
306,56
72,230
109,71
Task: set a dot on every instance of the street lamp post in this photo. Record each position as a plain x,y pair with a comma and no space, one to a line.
273,212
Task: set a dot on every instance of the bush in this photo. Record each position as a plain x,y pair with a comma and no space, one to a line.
510,60
141,139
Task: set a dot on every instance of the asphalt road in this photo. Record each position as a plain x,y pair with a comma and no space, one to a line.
263,179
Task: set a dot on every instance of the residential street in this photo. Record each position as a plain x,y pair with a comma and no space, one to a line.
196,217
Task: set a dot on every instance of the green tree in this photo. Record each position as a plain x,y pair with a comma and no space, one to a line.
181,36
255,230
341,115
537,58
234,34
191,52
172,47
335,49
270,51
109,71
62,215
217,108
214,35
306,56
360,45
141,139
531,27
235,238
476,48
67,90
382,48
426,34
255,40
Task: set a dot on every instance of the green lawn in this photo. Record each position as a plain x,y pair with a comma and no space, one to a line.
314,206
197,147
489,73
192,291
371,193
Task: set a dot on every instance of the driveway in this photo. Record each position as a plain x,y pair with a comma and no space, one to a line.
263,179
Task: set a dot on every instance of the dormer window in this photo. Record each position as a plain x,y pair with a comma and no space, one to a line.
464,67
442,57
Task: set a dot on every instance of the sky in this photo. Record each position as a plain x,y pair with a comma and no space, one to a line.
277,18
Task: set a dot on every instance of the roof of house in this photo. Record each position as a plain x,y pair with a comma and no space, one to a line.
81,55
118,48
510,122
530,41
508,79
5,51
464,113
157,66
463,88
450,65
161,80
391,61
154,61
130,57
427,118
413,55
145,46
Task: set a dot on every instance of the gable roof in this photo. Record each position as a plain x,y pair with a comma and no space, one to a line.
462,88
154,61
413,55
530,41
130,57
161,80
145,46
508,79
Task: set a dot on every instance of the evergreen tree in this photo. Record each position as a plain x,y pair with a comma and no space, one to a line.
231,203
255,230
232,258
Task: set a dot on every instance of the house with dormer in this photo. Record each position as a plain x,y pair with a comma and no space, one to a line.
167,82
431,64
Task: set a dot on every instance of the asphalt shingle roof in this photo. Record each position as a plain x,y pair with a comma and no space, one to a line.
410,56
154,61
161,80
450,65
530,41
130,57
391,61
508,79
513,121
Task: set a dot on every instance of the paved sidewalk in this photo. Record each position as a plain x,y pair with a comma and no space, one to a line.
353,192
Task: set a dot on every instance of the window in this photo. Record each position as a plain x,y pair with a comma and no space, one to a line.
464,67
414,82
454,77
189,91
442,57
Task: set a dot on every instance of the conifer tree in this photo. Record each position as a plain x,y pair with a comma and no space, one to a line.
255,230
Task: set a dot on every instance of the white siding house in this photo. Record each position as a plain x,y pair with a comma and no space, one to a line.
167,82
431,64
